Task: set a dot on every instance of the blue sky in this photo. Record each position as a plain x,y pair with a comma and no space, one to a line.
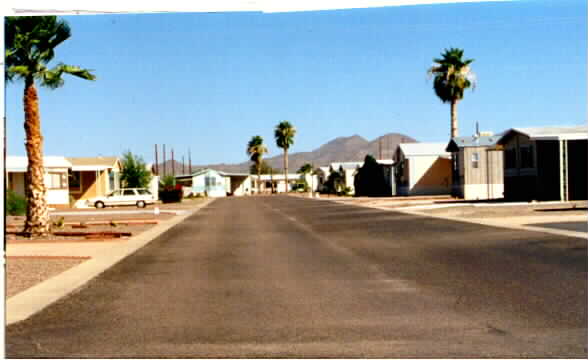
210,81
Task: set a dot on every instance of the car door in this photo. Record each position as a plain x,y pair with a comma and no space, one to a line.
129,197
114,198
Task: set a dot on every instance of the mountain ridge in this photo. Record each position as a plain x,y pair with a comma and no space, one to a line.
342,148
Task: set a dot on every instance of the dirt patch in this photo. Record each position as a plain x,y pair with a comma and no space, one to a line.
23,273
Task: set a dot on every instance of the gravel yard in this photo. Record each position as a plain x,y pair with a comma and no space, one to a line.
25,272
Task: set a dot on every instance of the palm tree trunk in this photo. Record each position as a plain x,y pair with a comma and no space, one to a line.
37,221
286,167
258,182
454,130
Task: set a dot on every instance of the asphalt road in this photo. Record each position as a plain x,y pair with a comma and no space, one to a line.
292,277
579,226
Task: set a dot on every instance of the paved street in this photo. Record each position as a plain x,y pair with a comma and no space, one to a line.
292,277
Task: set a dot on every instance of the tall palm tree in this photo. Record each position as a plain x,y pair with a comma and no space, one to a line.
30,46
284,134
255,150
452,75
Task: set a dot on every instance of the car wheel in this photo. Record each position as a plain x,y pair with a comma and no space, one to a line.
99,204
141,204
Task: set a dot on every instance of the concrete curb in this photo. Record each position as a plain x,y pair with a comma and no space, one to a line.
38,297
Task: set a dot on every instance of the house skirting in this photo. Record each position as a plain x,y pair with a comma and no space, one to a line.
483,191
424,190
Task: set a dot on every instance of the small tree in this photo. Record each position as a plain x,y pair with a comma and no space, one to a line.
168,181
134,172
369,179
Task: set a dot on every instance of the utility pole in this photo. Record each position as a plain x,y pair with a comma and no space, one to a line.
173,163
189,162
156,166
164,169
183,168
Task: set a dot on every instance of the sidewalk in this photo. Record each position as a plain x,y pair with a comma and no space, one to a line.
506,214
103,255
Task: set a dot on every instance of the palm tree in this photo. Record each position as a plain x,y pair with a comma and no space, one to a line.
307,169
255,150
284,134
452,76
30,45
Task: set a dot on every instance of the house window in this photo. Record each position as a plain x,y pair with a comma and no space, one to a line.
510,158
56,180
111,180
475,160
210,181
75,181
527,157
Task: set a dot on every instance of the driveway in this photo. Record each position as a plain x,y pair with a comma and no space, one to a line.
279,276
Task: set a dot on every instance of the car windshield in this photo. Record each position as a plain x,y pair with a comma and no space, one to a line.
114,193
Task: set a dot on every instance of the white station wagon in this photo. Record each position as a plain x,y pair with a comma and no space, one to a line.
132,196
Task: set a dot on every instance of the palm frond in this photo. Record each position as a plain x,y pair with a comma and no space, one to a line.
77,71
20,71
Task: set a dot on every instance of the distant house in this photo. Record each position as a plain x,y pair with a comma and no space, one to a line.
55,177
347,170
277,181
422,169
547,163
477,167
206,182
239,184
93,176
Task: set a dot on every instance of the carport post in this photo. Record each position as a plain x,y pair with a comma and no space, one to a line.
563,170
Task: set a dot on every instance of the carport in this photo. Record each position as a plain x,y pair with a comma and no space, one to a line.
545,163
240,184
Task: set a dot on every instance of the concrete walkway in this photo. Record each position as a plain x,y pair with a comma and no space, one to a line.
103,256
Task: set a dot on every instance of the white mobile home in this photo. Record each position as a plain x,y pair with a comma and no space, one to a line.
56,177
206,182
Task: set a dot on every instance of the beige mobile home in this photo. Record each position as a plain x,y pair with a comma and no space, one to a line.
93,176
422,169
477,167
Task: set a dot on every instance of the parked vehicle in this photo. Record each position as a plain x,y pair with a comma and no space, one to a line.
132,196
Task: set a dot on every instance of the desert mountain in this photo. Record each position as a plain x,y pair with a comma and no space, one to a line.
351,148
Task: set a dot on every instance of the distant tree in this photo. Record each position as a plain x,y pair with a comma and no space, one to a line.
452,75
256,149
369,179
264,169
30,46
168,181
134,173
335,182
284,134
305,169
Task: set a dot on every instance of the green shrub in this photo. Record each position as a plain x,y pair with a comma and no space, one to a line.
16,205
